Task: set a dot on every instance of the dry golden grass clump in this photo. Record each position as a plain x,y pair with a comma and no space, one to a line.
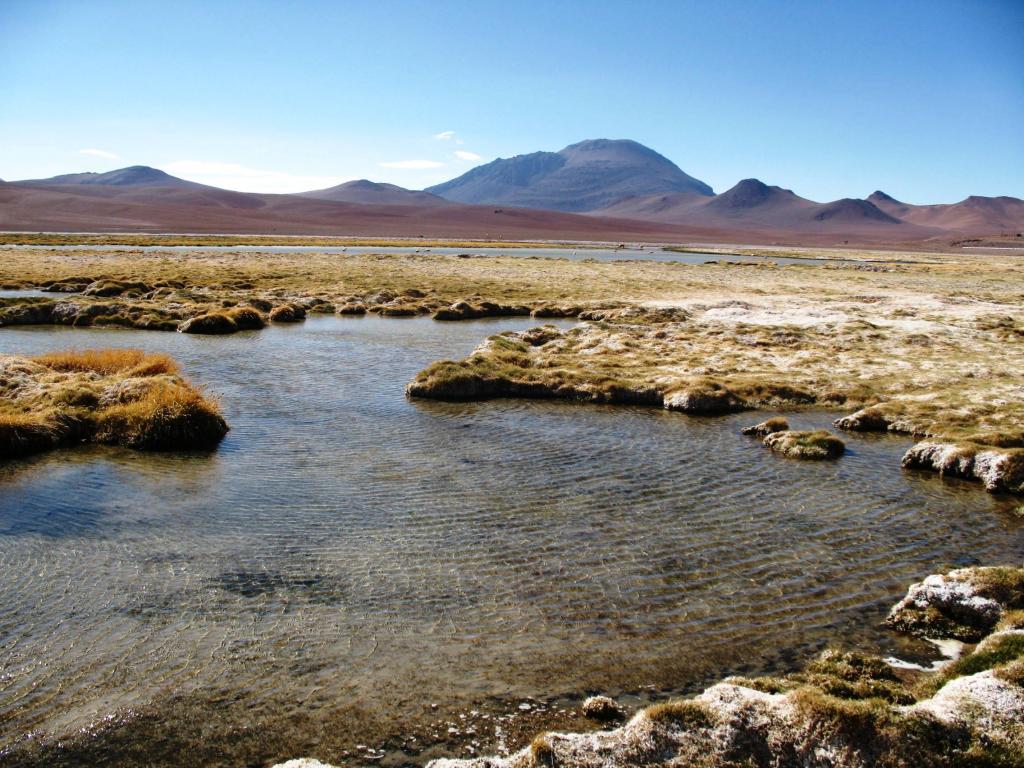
767,427
246,318
224,321
465,310
133,362
287,313
209,323
114,396
810,445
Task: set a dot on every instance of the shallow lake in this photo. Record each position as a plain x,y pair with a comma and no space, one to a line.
353,570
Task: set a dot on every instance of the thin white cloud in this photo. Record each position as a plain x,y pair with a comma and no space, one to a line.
99,153
445,135
462,154
244,179
412,165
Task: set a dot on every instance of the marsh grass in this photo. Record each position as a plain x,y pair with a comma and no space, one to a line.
686,714
1004,584
117,396
852,675
133,362
246,318
542,754
167,417
811,445
24,433
933,346
767,427
287,313
210,323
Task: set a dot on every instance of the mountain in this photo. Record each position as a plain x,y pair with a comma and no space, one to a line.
105,208
133,176
753,206
615,176
853,210
582,177
887,203
375,193
973,215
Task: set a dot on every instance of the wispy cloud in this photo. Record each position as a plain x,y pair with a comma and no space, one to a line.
448,136
412,165
99,153
462,154
244,179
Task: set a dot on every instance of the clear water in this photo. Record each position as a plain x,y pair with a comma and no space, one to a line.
21,293
355,568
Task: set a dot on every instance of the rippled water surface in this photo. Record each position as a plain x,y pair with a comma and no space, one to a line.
351,567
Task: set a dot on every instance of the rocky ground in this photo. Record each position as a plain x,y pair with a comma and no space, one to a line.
844,710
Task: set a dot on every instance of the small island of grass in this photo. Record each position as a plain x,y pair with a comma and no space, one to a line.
120,397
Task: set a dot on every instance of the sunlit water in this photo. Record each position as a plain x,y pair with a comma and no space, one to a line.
349,558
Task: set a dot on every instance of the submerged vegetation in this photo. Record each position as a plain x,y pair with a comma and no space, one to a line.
113,396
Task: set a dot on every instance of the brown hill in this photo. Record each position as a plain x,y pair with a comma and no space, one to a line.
132,176
93,208
375,193
853,210
753,206
146,199
975,215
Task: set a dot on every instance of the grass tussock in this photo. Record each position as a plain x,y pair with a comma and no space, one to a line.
1004,584
115,396
542,754
25,433
246,318
685,714
106,362
767,427
211,323
287,313
851,675
167,417
810,445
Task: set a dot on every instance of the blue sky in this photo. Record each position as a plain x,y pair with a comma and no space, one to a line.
924,100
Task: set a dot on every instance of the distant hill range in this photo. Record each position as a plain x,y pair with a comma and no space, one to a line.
599,189
136,176
375,193
752,204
